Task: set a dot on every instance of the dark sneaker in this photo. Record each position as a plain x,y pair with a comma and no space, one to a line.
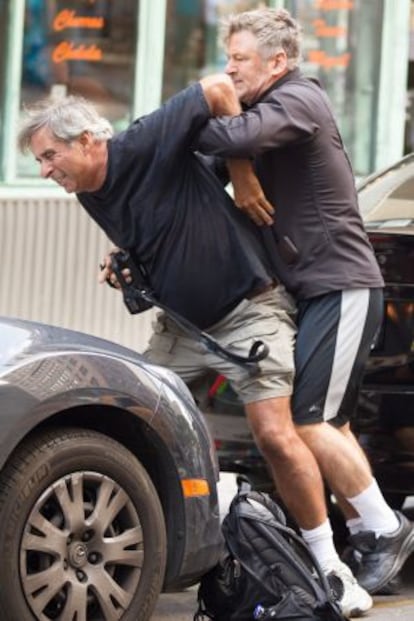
381,558
351,557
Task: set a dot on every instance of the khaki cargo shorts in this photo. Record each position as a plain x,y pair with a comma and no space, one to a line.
269,317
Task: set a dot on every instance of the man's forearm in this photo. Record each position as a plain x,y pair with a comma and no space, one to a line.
222,99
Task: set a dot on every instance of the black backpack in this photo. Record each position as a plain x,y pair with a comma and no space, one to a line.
266,571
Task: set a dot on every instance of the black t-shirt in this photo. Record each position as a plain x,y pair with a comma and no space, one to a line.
304,171
162,200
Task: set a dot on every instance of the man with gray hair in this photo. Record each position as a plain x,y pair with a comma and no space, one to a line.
322,254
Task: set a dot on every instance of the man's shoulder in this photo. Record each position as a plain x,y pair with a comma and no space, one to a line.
304,93
182,110
296,81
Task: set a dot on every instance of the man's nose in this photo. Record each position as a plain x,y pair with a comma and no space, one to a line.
230,68
46,169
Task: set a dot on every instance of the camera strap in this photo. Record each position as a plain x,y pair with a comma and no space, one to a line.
138,297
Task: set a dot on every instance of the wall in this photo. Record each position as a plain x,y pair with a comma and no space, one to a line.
49,255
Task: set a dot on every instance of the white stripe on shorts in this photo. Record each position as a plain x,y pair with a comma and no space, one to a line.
354,309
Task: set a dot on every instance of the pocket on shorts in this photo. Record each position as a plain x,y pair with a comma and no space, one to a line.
253,322
262,319
276,369
160,347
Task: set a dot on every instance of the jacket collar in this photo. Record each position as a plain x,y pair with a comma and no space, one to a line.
288,77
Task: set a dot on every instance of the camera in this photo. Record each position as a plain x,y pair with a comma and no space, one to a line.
136,289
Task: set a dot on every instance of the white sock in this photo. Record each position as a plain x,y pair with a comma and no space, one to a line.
320,541
354,525
374,512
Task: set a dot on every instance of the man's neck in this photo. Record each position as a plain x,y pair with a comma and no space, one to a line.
100,156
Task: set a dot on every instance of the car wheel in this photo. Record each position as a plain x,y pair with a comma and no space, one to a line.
83,535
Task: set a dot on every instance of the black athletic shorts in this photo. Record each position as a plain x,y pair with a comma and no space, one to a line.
336,332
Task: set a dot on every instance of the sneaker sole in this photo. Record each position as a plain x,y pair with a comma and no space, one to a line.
358,611
406,550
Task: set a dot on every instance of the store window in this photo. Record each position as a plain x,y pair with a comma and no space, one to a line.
192,46
341,49
81,47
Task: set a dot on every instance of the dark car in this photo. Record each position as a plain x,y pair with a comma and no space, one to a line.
384,421
107,479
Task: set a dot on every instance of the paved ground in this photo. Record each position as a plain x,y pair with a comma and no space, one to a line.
181,606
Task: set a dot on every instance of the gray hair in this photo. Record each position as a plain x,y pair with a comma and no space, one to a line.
274,29
67,118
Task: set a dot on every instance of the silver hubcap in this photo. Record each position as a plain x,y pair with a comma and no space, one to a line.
82,550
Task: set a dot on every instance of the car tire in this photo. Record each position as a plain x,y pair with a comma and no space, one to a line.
83,533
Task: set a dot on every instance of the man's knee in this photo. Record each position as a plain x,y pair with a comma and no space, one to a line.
312,430
272,427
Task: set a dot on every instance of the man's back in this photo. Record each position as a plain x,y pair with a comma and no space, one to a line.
202,255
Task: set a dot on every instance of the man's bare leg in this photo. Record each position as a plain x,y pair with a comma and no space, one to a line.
338,451
299,482
296,472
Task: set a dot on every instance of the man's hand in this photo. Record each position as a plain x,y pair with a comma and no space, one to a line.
248,193
107,274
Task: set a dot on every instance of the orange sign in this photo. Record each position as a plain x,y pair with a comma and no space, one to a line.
67,50
334,5
324,30
321,58
69,19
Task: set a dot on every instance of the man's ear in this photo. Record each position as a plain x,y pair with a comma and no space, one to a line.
279,64
86,139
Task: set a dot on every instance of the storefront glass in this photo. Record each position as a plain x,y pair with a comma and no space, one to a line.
342,49
192,46
80,47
